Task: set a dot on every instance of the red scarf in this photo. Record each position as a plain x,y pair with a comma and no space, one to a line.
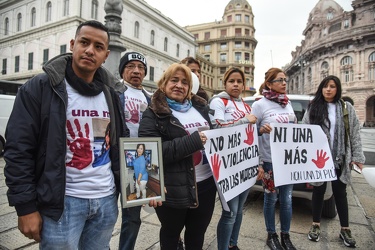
281,99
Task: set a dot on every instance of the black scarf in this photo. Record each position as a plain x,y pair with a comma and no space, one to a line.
87,89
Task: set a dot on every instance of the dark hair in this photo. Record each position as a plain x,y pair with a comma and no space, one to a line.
234,70
94,24
269,76
318,108
144,149
190,60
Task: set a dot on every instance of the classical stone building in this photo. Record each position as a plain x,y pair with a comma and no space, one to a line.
34,31
340,43
227,43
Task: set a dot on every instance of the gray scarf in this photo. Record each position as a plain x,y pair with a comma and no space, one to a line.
338,148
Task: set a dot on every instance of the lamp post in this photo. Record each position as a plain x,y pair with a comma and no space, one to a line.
113,10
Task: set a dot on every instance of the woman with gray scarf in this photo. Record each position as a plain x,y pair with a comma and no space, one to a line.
328,110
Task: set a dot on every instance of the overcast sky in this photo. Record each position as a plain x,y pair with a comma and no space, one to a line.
278,23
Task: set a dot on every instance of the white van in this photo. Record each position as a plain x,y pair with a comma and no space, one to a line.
6,104
301,190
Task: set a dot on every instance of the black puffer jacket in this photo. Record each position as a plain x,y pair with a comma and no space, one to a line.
35,149
178,148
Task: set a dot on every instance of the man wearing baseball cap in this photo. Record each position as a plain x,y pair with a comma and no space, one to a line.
133,69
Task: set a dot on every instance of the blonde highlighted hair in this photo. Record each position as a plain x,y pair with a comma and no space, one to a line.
171,71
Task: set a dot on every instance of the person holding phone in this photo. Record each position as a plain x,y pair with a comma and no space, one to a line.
328,111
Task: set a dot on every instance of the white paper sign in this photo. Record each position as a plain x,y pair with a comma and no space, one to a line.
233,156
300,153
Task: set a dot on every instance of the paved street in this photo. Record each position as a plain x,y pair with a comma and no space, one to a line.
362,219
361,198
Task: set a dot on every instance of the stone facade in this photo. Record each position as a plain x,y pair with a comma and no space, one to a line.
227,43
338,43
34,31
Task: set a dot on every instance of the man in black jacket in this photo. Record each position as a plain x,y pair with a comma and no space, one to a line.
62,156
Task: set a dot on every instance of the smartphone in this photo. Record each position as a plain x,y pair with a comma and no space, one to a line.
357,169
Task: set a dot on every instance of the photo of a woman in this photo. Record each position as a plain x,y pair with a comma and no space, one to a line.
140,171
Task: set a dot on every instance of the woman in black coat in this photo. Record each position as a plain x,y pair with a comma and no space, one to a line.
176,115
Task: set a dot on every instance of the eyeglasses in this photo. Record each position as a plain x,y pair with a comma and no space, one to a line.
132,67
281,80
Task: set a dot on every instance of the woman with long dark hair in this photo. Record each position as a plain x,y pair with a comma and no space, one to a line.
328,111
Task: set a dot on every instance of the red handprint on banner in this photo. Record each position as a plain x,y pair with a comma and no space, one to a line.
80,146
320,162
133,112
216,165
250,135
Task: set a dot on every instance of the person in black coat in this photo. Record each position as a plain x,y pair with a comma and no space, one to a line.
176,115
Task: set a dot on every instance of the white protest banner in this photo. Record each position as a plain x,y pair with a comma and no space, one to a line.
300,153
233,156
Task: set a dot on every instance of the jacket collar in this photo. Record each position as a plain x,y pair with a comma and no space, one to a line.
55,69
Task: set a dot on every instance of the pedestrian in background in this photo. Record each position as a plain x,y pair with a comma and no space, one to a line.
61,198
274,107
195,67
339,122
176,115
228,109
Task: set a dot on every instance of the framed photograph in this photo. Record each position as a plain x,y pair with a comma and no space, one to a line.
141,171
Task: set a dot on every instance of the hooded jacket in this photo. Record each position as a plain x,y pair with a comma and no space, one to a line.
178,148
35,150
219,103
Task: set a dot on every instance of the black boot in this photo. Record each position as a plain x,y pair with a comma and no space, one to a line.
273,241
285,242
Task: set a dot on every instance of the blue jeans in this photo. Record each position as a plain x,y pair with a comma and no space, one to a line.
229,224
131,222
284,194
84,224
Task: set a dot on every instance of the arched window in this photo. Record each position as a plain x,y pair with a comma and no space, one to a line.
325,65
165,44
136,30
346,69
152,38
33,17
371,66
94,9
324,70
6,26
177,50
329,15
188,52
49,12
347,60
19,22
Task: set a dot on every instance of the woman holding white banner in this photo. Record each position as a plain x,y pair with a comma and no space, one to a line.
274,107
339,122
228,109
177,116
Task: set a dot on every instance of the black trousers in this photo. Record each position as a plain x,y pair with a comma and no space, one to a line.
339,192
195,220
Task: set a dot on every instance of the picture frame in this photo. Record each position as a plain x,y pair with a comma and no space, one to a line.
137,187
